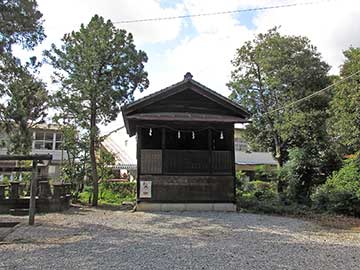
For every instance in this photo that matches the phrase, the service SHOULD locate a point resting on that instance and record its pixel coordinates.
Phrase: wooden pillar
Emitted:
(163, 148)
(210, 150)
(33, 189)
(138, 157)
(233, 167)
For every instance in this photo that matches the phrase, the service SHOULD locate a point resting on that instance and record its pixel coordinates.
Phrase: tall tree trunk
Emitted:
(93, 158)
(279, 159)
(278, 154)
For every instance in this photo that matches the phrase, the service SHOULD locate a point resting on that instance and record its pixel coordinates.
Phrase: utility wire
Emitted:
(315, 93)
(220, 12)
(111, 132)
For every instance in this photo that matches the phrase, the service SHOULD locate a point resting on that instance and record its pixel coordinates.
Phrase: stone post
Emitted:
(22, 187)
(2, 191)
(44, 189)
(58, 190)
(14, 190)
(67, 187)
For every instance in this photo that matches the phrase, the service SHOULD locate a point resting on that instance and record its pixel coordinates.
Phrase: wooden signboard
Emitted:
(145, 189)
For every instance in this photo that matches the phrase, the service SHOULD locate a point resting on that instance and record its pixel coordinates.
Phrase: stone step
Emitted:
(165, 207)
(19, 211)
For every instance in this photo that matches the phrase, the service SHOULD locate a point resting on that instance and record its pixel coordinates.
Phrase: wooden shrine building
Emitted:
(185, 147)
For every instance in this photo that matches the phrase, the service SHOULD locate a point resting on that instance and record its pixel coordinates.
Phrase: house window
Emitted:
(44, 140)
(58, 141)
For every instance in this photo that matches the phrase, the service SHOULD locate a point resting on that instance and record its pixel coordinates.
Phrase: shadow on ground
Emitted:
(103, 239)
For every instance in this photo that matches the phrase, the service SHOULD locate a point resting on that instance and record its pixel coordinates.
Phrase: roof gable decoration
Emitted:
(132, 111)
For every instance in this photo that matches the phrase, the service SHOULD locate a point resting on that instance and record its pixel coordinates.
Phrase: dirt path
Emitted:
(105, 239)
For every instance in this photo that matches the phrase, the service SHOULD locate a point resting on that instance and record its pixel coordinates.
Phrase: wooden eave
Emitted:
(185, 117)
(130, 111)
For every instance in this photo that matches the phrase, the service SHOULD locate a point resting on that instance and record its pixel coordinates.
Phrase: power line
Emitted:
(219, 12)
(111, 132)
(315, 93)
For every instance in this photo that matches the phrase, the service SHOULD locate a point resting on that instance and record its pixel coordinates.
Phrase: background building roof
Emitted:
(254, 158)
(122, 147)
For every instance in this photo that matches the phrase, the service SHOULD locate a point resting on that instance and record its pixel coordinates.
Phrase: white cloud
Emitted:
(65, 16)
(208, 57)
(332, 26)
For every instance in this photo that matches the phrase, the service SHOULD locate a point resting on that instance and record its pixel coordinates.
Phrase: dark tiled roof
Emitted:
(254, 158)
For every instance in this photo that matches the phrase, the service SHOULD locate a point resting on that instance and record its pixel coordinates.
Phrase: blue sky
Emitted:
(203, 45)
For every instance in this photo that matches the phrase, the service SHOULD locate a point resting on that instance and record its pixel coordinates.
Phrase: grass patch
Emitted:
(271, 206)
(111, 194)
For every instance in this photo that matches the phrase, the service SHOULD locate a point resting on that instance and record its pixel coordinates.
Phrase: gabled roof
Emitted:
(133, 112)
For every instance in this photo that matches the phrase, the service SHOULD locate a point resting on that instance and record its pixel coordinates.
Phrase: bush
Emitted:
(265, 173)
(124, 189)
(273, 205)
(259, 190)
(259, 196)
(241, 180)
(341, 192)
(111, 193)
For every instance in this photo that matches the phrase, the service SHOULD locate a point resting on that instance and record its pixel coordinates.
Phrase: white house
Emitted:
(47, 139)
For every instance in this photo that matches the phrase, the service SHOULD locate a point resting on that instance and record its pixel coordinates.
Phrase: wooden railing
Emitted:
(181, 162)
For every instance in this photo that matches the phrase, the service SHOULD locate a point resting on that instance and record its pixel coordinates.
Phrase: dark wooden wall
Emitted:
(185, 162)
(183, 175)
(190, 189)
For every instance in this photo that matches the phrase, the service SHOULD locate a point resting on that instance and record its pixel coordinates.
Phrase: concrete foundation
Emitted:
(222, 207)
(42, 205)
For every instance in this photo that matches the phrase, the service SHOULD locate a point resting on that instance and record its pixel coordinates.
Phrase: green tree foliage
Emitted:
(22, 96)
(75, 145)
(105, 161)
(24, 108)
(341, 192)
(20, 23)
(300, 173)
(345, 105)
(306, 169)
(269, 73)
(99, 69)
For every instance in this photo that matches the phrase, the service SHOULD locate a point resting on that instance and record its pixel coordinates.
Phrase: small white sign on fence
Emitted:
(145, 189)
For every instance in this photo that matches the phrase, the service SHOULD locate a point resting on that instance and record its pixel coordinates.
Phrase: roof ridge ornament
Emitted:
(188, 76)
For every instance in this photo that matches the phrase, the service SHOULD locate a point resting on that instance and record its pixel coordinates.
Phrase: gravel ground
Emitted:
(105, 239)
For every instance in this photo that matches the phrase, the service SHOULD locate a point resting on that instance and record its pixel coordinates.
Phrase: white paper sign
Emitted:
(145, 189)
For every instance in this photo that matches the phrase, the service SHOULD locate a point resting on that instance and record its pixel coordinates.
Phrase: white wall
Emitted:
(56, 154)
